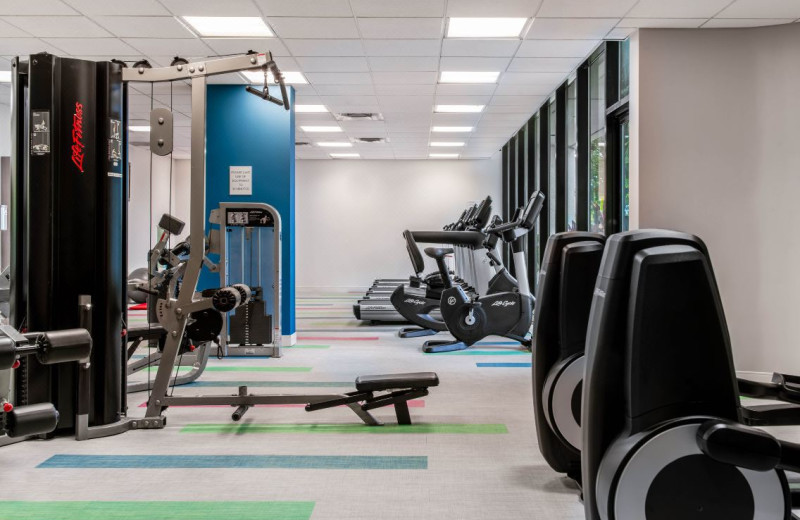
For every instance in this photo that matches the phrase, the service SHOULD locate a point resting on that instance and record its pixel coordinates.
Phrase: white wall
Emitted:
(717, 155)
(351, 213)
(142, 217)
(5, 128)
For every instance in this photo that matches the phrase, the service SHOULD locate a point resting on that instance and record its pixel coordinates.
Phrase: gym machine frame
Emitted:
(173, 313)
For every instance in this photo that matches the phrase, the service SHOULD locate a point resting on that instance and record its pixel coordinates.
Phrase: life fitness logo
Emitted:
(77, 137)
(451, 300)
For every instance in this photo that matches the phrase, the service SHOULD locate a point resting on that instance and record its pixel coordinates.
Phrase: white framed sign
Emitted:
(241, 180)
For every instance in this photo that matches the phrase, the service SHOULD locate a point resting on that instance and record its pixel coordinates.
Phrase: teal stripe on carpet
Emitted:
(482, 353)
(234, 461)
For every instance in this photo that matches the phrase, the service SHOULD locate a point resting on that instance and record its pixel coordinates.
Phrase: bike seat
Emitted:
(438, 252)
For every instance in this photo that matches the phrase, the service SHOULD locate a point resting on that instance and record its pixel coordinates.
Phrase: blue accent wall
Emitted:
(243, 130)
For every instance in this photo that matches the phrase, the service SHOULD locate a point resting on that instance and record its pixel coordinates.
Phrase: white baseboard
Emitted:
(289, 341)
(755, 376)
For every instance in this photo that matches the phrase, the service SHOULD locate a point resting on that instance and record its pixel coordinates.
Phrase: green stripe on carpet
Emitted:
(242, 369)
(135, 510)
(345, 428)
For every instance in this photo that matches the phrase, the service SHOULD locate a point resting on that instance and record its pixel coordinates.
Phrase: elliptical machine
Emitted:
(507, 313)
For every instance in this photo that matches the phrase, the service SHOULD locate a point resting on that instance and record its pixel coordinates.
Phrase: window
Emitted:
(572, 156)
(624, 69)
(534, 182)
(625, 172)
(552, 197)
(597, 145)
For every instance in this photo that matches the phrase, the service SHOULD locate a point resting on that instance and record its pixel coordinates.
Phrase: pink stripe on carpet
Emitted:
(335, 338)
(414, 403)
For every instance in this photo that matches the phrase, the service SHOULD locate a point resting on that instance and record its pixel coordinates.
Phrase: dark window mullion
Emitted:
(544, 173)
(582, 108)
(561, 158)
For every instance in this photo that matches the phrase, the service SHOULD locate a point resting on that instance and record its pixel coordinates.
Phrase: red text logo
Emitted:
(77, 137)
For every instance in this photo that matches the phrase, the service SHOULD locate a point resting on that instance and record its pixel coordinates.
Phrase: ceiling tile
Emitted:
(344, 78)
(211, 8)
(118, 7)
(620, 33)
(455, 119)
(570, 28)
(510, 89)
(535, 78)
(459, 89)
(543, 64)
(224, 46)
(529, 101)
(404, 90)
(502, 8)
(428, 47)
(677, 8)
(305, 7)
(404, 63)
(173, 46)
(556, 48)
(313, 28)
(58, 26)
(528, 110)
(409, 78)
(144, 26)
(464, 64)
(762, 9)
(333, 64)
(360, 108)
(391, 8)
(715, 23)
(88, 46)
(325, 47)
(489, 48)
(338, 101)
(388, 28)
(664, 23)
(39, 7)
(462, 100)
(343, 90)
(585, 8)
(9, 31)
(407, 103)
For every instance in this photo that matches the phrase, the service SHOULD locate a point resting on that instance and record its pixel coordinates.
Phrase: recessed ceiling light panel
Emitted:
(450, 76)
(443, 156)
(452, 129)
(485, 27)
(443, 144)
(321, 129)
(229, 26)
(345, 155)
(459, 109)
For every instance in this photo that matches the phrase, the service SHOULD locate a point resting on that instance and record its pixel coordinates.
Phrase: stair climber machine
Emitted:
(422, 306)
(376, 306)
(510, 314)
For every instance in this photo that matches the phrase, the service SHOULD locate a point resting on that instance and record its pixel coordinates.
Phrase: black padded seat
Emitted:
(145, 331)
(417, 262)
(390, 381)
(438, 252)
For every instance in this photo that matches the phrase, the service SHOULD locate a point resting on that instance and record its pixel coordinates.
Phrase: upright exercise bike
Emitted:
(507, 313)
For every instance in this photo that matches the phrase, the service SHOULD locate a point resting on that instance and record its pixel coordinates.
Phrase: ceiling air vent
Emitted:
(370, 140)
(359, 116)
(302, 143)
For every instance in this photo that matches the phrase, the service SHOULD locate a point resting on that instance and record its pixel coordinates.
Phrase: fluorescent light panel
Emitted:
(335, 144)
(442, 144)
(139, 128)
(485, 27)
(310, 109)
(459, 109)
(229, 26)
(450, 76)
(256, 77)
(5, 76)
(443, 155)
(344, 155)
(452, 129)
(321, 129)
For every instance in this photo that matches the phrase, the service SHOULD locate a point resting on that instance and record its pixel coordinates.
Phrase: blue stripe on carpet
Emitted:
(235, 461)
(503, 365)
